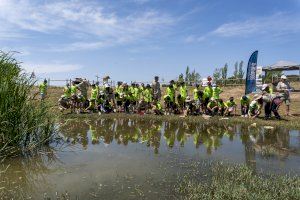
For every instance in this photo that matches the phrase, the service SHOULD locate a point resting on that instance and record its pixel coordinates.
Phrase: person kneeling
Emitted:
(255, 106)
(64, 103)
(212, 107)
(157, 108)
(190, 107)
(230, 107)
(222, 107)
(245, 103)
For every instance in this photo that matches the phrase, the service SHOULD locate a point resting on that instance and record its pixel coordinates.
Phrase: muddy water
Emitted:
(126, 159)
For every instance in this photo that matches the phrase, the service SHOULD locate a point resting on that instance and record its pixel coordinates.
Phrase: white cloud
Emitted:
(50, 68)
(277, 24)
(73, 17)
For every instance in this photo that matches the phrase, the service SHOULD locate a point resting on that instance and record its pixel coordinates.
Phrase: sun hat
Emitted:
(283, 77)
(264, 86)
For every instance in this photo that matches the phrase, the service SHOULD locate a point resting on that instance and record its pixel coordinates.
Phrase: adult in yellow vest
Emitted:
(208, 92)
(43, 89)
(119, 95)
(94, 97)
(169, 98)
(198, 98)
(67, 91)
(182, 95)
(216, 91)
(147, 94)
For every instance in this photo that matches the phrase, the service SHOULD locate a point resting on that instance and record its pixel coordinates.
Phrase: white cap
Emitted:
(283, 77)
(106, 86)
(264, 86)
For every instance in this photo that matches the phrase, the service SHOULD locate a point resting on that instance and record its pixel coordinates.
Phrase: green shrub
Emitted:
(24, 122)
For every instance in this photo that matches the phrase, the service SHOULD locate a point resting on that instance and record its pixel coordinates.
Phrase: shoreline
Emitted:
(287, 122)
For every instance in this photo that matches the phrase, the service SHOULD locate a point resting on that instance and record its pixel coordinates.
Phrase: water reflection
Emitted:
(266, 142)
(21, 176)
(175, 142)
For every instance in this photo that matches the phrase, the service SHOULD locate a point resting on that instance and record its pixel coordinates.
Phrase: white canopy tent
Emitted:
(282, 66)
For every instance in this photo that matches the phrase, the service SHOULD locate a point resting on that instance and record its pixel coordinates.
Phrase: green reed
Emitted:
(24, 122)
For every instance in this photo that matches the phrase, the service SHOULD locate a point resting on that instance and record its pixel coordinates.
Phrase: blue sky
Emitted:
(137, 39)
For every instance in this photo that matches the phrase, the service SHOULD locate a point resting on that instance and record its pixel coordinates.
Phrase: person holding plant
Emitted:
(230, 106)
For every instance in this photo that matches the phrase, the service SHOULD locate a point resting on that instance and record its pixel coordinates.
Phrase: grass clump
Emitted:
(24, 122)
(239, 182)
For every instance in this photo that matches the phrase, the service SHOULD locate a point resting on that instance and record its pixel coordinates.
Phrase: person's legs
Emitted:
(275, 106)
(222, 111)
(126, 106)
(268, 110)
(287, 103)
(275, 110)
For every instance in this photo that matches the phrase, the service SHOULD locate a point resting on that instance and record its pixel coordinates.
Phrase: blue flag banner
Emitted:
(251, 74)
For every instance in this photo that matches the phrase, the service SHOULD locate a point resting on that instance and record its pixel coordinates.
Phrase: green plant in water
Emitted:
(238, 182)
(24, 122)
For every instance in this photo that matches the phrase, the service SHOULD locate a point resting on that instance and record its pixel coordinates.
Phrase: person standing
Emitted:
(83, 88)
(169, 98)
(156, 89)
(208, 93)
(182, 95)
(43, 89)
(283, 87)
(216, 91)
(198, 98)
(93, 100)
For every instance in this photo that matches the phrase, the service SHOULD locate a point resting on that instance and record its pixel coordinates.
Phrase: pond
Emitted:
(129, 159)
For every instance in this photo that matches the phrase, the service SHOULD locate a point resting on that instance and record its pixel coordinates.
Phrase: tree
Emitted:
(224, 71)
(217, 74)
(187, 74)
(194, 77)
(272, 75)
(190, 77)
(235, 73)
(181, 79)
(241, 71)
(197, 77)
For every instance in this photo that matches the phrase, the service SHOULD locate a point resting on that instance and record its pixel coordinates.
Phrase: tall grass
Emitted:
(24, 122)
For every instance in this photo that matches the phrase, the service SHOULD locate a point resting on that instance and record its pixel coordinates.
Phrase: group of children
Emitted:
(140, 98)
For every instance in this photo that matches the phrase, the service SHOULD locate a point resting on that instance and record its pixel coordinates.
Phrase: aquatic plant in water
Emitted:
(226, 181)
(24, 122)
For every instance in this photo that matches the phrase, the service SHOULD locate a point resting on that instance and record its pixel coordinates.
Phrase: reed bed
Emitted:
(25, 123)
